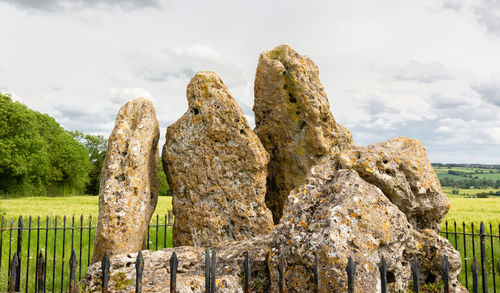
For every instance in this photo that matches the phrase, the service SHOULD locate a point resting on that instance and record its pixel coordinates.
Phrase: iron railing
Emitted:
(45, 243)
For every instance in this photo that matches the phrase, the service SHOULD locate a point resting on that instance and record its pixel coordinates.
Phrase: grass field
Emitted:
(64, 206)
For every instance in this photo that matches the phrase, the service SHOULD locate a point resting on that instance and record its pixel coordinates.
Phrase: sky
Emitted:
(427, 69)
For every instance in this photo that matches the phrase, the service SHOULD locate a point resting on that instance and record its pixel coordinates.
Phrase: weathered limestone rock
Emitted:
(190, 276)
(336, 214)
(401, 169)
(129, 184)
(293, 121)
(216, 168)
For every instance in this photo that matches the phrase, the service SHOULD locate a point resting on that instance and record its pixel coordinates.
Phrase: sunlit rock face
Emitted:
(216, 168)
(129, 183)
(401, 169)
(293, 121)
(335, 215)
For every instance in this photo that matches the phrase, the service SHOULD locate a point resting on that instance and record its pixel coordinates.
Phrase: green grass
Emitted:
(64, 206)
(474, 210)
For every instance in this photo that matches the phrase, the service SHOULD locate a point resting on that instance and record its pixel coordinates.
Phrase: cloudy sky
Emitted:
(427, 69)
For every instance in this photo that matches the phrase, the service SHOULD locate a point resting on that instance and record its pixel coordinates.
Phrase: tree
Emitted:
(37, 156)
(96, 146)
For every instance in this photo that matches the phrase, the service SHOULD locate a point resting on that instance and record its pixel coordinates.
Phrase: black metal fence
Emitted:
(474, 243)
(25, 248)
(54, 238)
(211, 265)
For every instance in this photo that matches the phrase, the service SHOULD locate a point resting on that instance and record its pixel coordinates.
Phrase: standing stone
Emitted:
(401, 169)
(129, 184)
(293, 121)
(216, 169)
(334, 215)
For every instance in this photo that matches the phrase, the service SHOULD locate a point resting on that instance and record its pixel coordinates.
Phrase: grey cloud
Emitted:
(160, 76)
(183, 63)
(453, 4)
(56, 5)
(421, 72)
(376, 106)
(465, 143)
(489, 90)
(488, 15)
(71, 112)
(441, 101)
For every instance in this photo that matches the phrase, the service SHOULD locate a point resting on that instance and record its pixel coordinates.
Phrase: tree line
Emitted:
(38, 157)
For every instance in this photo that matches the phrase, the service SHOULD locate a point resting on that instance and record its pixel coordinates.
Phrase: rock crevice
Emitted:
(293, 121)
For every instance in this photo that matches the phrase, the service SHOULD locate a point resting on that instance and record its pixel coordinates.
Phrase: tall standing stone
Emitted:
(293, 121)
(216, 169)
(129, 183)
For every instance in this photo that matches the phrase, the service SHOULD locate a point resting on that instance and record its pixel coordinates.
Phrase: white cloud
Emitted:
(488, 14)
(421, 72)
(57, 5)
(489, 89)
(390, 68)
(122, 95)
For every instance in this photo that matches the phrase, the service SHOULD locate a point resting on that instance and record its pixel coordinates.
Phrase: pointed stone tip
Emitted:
(206, 76)
(280, 52)
(139, 100)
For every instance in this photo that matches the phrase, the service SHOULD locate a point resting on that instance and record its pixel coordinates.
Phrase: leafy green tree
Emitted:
(37, 156)
(96, 146)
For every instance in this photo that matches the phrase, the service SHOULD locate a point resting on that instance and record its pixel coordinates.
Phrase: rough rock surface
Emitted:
(216, 168)
(293, 121)
(190, 277)
(129, 184)
(336, 214)
(401, 169)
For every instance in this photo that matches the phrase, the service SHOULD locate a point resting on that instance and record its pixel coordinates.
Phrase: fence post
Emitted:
(105, 272)
(40, 269)
(248, 272)
(28, 254)
(173, 272)
(212, 275)
(484, 277)
(207, 270)
(1, 241)
(19, 252)
(493, 259)
(72, 272)
(14, 268)
(139, 267)
(445, 266)
(383, 275)
(351, 271)
(474, 276)
(415, 271)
